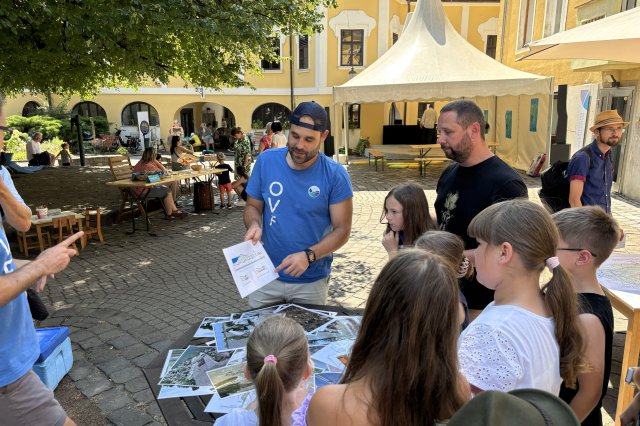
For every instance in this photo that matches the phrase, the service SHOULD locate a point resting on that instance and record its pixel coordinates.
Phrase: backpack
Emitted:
(555, 183)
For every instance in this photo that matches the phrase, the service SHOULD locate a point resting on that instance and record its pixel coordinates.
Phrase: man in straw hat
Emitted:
(590, 171)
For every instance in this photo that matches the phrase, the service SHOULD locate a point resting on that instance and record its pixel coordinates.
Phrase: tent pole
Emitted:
(549, 119)
(495, 120)
(345, 138)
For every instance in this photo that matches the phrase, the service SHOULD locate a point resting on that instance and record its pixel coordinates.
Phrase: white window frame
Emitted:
(487, 28)
(364, 49)
(352, 20)
(521, 42)
(308, 69)
(550, 15)
(280, 68)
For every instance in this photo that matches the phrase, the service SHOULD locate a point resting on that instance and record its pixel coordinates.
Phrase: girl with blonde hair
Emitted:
(451, 248)
(278, 365)
(529, 336)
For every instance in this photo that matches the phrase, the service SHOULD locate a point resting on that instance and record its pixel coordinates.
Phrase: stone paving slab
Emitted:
(131, 296)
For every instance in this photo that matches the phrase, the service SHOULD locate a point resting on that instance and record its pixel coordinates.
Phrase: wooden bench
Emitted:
(426, 160)
(376, 155)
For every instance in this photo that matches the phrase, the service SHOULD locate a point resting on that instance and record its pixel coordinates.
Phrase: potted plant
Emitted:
(363, 143)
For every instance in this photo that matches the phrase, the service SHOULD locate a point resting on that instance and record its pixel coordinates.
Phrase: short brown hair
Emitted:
(235, 131)
(467, 112)
(589, 228)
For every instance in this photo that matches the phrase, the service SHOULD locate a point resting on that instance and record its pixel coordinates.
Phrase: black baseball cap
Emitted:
(313, 110)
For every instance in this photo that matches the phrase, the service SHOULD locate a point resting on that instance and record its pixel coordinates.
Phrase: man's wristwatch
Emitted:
(311, 255)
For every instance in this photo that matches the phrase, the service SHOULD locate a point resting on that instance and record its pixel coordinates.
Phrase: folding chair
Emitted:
(66, 227)
(92, 228)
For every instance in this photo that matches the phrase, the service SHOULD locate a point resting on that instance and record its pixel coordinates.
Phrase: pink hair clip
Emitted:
(552, 262)
(270, 358)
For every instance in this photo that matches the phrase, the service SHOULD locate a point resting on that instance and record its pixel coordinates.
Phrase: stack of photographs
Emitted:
(218, 368)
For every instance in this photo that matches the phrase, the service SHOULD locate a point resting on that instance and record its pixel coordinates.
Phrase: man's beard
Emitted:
(462, 152)
(612, 141)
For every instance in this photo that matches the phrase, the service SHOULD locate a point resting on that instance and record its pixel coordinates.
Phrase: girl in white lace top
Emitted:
(528, 337)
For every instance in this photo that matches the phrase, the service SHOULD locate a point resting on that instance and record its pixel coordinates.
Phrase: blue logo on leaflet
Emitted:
(313, 191)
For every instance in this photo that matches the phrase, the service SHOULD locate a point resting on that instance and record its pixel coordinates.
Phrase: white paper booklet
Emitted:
(250, 267)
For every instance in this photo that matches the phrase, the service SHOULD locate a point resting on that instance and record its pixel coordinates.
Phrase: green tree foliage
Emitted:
(79, 46)
(51, 127)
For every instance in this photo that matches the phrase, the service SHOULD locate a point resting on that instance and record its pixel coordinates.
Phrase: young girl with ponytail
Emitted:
(529, 336)
(450, 248)
(278, 365)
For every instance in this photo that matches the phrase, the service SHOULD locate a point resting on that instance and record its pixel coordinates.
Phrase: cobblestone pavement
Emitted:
(129, 298)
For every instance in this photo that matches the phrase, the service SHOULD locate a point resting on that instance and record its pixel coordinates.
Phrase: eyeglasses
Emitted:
(613, 129)
(578, 249)
(6, 130)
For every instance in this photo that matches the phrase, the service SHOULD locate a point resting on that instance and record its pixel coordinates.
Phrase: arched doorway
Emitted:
(222, 119)
(129, 120)
(30, 109)
(270, 112)
(88, 109)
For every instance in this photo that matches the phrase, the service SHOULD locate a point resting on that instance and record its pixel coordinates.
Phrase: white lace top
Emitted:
(508, 348)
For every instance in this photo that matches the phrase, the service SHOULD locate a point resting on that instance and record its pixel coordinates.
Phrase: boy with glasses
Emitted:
(591, 173)
(588, 236)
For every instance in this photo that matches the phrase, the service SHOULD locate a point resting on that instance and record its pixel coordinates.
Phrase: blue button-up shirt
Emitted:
(597, 175)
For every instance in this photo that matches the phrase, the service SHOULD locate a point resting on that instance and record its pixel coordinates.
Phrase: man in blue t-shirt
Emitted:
(24, 399)
(591, 173)
(300, 206)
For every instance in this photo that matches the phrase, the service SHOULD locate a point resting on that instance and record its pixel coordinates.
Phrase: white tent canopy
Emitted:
(615, 38)
(432, 61)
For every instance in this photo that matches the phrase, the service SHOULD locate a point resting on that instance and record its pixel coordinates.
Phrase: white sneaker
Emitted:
(241, 203)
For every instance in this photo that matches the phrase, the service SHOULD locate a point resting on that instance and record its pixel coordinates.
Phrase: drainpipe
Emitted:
(504, 19)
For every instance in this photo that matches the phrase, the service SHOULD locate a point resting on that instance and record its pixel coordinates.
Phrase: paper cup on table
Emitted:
(42, 212)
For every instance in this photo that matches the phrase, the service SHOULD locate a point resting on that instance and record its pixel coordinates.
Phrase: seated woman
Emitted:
(148, 163)
(176, 151)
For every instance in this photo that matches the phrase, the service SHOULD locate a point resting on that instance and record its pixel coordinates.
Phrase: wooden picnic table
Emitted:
(424, 159)
(190, 410)
(425, 149)
(172, 177)
(41, 224)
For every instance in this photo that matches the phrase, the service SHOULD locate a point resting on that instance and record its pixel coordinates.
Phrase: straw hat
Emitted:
(605, 118)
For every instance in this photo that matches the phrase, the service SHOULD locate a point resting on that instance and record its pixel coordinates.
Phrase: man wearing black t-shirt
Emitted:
(475, 180)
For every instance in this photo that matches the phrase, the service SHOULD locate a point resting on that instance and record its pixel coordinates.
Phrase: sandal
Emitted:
(179, 214)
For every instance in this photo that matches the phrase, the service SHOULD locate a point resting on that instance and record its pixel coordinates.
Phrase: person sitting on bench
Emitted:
(34, 152)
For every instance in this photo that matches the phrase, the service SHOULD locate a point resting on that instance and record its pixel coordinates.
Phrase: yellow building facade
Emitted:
(355, 34)
(600, 85)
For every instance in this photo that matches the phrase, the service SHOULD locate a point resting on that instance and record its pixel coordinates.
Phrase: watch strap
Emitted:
(311, 255)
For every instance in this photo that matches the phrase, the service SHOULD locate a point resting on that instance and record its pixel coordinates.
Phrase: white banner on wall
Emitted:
(583, 112)
(143, 125)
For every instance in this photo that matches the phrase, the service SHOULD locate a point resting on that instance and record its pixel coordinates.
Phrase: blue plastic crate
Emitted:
(49, 339)
(56, 366)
